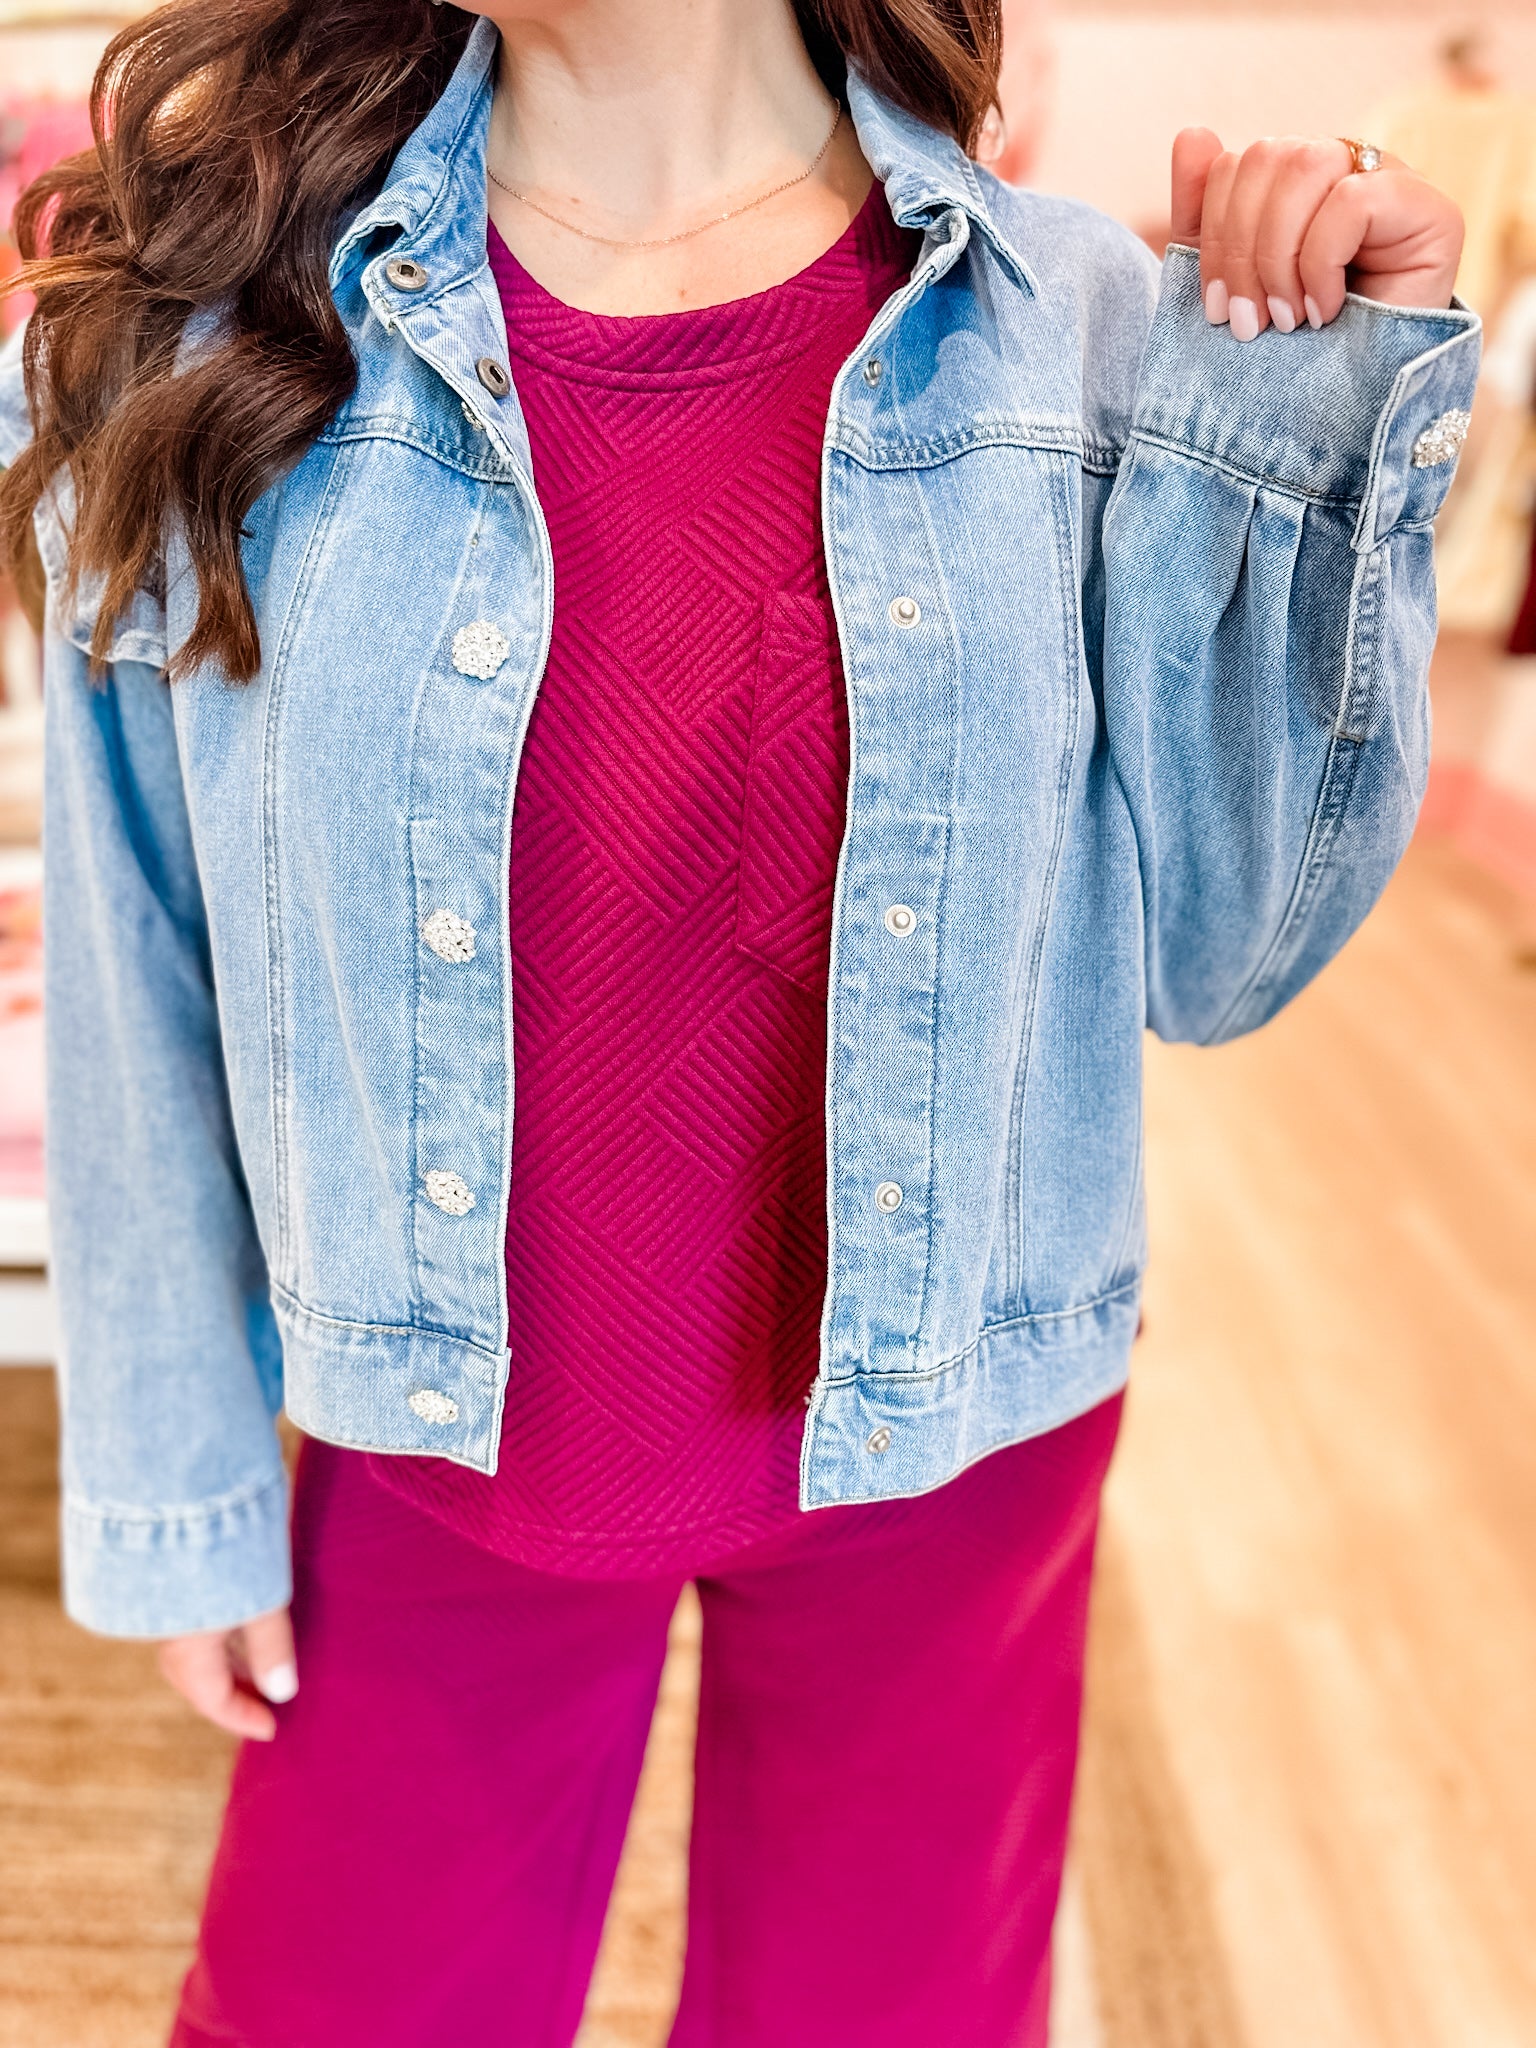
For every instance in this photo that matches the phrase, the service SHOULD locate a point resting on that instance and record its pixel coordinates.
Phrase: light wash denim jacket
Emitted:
(1135, 622)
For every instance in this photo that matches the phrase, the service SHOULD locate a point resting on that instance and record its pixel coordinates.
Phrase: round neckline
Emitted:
(714, 339)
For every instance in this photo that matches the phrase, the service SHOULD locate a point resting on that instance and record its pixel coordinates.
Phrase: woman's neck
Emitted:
(637, 120)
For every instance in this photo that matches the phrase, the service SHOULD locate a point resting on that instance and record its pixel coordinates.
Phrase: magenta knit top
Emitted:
(679, 812)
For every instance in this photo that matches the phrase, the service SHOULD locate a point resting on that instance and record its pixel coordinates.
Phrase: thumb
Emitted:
(1194, 151)
(268, 1645)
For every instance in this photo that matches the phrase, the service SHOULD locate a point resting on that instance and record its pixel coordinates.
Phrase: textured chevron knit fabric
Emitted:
(678, 817)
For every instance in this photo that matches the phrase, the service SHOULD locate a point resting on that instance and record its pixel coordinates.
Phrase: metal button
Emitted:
(906, 611)
(888, 1197)
(479, 649)
(450, 937)
(493, 376)
(432, 1406)
(405, 275)
(872, 371)
(901, 921)
(450, 1194)
(878, 1441)
(472, 416)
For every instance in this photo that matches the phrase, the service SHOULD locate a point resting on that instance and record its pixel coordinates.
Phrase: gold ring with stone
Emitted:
(1365, 156)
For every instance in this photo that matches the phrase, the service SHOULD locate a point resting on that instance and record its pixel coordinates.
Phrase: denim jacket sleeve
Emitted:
(167, 1336)
(1269, 615)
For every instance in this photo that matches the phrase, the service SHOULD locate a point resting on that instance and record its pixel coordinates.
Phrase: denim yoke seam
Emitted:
(941, 908)
(1345, 744)
(1068, 576)
(935, 451)
(277, 1006)
(409, 433)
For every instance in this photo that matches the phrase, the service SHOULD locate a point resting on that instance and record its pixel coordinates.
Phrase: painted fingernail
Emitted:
(1216, 303)
(1244, 320)
(279, 1684)
(1314, 313)
(1280, 312)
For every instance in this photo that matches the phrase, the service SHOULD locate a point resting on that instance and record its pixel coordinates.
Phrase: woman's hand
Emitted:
(210, 1670)
(1288, 227)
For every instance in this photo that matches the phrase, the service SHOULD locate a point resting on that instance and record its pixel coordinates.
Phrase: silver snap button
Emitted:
(888, 1197)
(878, 1441)
(872, 371)
(448, 1192)
(450, 937)
(479, 649)
(432, 1406)
(906, 611)
(405, 275)
(493, 376)
(901, 921)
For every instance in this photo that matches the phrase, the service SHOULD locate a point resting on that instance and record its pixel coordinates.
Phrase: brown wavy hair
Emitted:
(230, 136)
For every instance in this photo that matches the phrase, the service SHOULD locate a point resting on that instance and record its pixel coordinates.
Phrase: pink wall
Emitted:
(1122, 81)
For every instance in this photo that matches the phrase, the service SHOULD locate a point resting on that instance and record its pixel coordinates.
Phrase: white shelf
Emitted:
(29, 1330)
(23, 1231)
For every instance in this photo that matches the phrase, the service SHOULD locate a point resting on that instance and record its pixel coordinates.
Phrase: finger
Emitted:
(1246, 198)
(198, 1667)
(1213, 287)
(268, 1645)
(1330, 244)
(1410, 239)
(1308, 175)
(1194, 151)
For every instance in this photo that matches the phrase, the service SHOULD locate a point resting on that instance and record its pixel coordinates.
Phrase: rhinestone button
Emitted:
(405, 275)
(906, 611)
(493, 376)
(872, 371)
(479, 649)
(878, 1441)
(450, 1193)
(888, 1197)
(1441, 442)
(432, 1406)
(901, 921)
(450, 937)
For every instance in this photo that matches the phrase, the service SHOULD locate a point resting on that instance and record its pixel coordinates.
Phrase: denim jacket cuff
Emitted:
(1368, 412)
(133, 1572)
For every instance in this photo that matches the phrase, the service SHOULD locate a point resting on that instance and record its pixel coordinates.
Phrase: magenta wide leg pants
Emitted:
(887, 1733)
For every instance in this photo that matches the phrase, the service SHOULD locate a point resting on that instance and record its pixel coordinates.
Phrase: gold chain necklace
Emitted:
(664, 241)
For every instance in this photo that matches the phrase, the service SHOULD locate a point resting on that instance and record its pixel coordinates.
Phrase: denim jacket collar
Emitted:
(927, 177)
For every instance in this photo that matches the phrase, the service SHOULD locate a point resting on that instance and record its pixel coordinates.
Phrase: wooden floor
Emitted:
(1307, 1809)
